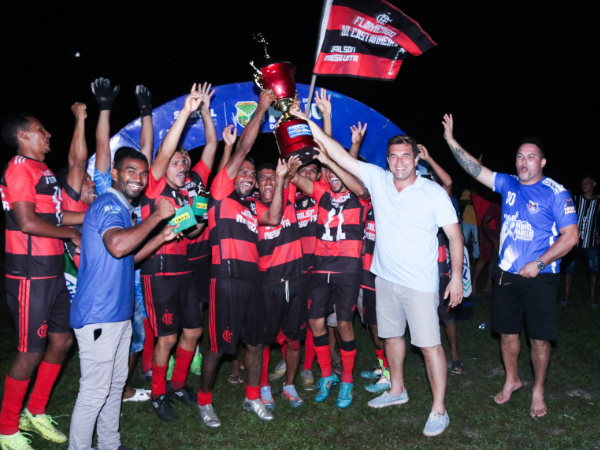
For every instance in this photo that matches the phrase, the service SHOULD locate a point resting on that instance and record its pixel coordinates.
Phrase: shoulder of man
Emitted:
(553, 186)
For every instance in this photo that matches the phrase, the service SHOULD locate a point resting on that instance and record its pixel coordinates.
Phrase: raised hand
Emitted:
(282, 168)
(165, 209)
(193, 100)
(206, 91)
(144, 99)
(296, 111)
(448, 123)
(358, 133)
(293, 165)
(105, 96)
(79, 110)
(230, 134)
(266, 98)
(424, 155)
(323, 101)
(323, 156)
(168, 233)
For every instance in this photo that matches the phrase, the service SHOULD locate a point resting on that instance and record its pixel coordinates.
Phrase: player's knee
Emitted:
(167, 342)
(192, 334)
(294, 345)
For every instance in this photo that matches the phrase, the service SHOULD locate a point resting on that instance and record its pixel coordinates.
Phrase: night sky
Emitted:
(505, 72)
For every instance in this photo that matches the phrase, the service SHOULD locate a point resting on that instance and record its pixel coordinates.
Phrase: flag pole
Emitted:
(323, 28)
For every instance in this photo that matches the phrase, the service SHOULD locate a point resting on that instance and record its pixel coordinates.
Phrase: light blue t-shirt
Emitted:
(532, 216)
(105, 291)
(406, 248)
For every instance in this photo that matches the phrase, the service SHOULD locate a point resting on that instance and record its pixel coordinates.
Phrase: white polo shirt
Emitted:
(406, 248)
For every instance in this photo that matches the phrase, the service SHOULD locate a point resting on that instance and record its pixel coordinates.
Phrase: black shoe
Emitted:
(123, 447)
(163, 408)
(184, 395)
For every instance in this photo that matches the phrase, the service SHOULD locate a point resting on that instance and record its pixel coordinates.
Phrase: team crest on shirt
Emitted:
(167, 318)
(42, 330)
(227, 335)
(533, 207)
(569, 207)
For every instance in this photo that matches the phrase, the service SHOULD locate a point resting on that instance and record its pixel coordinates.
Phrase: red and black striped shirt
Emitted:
(233, 228)
(29, 180)
(307, 215)
(368, 278)
(198, 249)
(280, 247)
(171, 258)
(72, 202)
(340, 231)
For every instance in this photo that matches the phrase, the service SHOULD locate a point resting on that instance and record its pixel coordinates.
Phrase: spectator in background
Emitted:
(469, 222)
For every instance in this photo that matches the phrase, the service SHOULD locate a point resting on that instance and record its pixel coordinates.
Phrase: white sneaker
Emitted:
(436, 423)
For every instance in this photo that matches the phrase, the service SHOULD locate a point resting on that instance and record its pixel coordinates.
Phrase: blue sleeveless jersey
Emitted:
(532, 216)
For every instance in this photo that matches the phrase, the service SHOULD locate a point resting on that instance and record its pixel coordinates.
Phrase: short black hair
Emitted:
(124, 153)
(266, 166)
(314, 162)
(403, 139)
(588, 175)
(11, 126)
(534, 140)
(250, 159)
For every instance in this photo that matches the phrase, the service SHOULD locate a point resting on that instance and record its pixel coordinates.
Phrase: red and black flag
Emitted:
(368, 39)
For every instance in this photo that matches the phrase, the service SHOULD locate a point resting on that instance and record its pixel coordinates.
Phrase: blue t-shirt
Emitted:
(532, 216)
(105, 291)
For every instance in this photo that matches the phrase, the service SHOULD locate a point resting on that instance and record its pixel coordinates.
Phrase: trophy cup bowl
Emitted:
(293, 135)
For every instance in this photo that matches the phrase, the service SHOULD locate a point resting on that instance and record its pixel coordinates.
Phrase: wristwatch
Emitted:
(540, 264)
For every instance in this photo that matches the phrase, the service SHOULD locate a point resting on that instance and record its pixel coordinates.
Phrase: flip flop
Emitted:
(458, 367)
(141, 395)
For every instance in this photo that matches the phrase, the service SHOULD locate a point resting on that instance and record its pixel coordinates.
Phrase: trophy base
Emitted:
(294, 138)
(306, 155)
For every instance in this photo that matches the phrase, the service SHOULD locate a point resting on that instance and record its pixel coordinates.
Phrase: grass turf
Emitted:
(476, 422)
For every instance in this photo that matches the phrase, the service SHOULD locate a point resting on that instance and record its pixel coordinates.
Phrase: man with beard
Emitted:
(36, 291)
(167, 276)
(337, 269)
(103, 306)
(236, 306)
(539, 226)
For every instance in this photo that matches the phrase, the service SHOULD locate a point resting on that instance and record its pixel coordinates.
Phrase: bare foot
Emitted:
(538, 406)
(509, 388)
(128, 392)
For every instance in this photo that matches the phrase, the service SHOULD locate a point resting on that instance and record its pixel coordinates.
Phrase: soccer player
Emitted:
(236, 305)
(103, 306)
(539, 226)
(167, 276)
(284, 290)
(36, 291)
(336, 271)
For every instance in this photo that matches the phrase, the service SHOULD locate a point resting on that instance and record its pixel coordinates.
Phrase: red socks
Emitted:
(159, 382)
(264, 376)
(324, 360)
(348, 358)
(204, 399)
(379, 354)
(183, 359)
(14, 393)
(148, 347)
(309, 351)
(252, 393)
(46, 377)
(385, 363)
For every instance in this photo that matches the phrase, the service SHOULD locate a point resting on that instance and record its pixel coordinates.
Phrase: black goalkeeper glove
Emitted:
(104, 95)
(144, 98)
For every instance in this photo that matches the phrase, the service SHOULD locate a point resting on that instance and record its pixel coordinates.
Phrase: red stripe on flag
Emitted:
(366, 66)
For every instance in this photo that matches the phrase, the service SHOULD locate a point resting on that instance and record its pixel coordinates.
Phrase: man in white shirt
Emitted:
(408, 211)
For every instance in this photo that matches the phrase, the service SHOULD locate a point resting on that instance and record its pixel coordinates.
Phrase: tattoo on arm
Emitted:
(471, 167)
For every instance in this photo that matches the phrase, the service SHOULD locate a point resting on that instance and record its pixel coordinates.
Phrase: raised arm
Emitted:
(169, 144)
(249, 134)
(229, 137)
(350, 181)
(334, 149)
(273, 216)
(358, 136)
(210, 133)
(441, 173)
(324, 104)
(303, 183)
(78, 150)
(471, 165)
(105, 97)
(144, 99)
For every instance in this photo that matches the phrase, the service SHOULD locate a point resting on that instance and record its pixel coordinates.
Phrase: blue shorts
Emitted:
(590, 258)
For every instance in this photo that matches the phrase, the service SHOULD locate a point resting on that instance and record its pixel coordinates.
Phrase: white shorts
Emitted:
(397, 305)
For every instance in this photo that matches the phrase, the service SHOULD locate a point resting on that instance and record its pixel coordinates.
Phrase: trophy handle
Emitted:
(257, 76)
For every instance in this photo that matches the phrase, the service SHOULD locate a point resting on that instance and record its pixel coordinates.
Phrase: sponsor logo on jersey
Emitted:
(569, 207)
(517, 229)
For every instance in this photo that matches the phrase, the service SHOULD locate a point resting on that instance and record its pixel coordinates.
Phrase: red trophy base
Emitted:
(294, 138)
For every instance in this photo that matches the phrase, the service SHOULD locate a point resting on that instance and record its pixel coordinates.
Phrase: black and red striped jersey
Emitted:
(280, 247)
(29, 180)
(368, 278)
(199, 248)
(443, 254)
(307, 215)
(340, 231)
(72, 202)
(171, 257)
(233, 230)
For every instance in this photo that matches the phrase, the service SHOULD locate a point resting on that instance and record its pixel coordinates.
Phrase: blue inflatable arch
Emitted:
(235, 103)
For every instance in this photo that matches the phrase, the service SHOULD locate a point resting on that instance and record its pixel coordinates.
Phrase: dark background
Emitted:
(505, 72)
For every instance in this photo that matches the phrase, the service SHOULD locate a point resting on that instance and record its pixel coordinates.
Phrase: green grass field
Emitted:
(476, 422)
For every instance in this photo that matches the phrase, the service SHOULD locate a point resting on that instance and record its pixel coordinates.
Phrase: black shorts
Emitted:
(171, 303)
(202, 277)
(286, 308)
(369, 305)
(445, 313)
(38, 307)
(236, 314)
(328, 289)
(533, 300)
